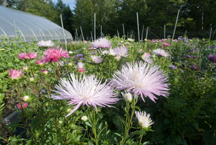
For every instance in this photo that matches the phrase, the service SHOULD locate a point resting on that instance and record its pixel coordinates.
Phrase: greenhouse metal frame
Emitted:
(30, 27)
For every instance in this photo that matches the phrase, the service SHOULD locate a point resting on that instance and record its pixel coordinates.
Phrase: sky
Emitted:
(71, 3)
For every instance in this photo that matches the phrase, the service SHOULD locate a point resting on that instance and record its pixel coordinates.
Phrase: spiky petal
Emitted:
(144, 119)
(86, 91)
(101, 43)
(54, 55)
(141, 79)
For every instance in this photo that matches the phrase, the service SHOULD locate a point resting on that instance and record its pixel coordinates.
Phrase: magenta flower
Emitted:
(101, 43)
(30, 55)
(86, 91)
(141, 79)
(15, 74)
(20, 107)
(55, 54)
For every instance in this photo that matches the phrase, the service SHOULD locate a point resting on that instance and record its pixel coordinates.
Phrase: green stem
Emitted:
(128, 126)
(93, 125)
(140, 139)
(22, 110)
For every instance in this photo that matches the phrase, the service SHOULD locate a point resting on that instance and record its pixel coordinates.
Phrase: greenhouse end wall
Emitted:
(30, 27)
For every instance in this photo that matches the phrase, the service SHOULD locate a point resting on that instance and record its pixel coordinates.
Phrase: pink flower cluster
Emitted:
(30, 55)
(20, 107)
(54, 54)
(14, 74)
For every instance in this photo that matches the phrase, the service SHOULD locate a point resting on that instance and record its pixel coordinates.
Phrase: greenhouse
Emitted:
(29, 26)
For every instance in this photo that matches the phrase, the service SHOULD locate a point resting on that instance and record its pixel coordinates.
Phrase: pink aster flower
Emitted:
(166, 44)
(15, 74)
(20, 107)
(44, 71)
(141, 79)
(55, 54)
(101, 43)
(121, 52)
(39, 62)
(144, 119)
(80, 67)
(161, 52)
(96, 59)
(22, 55)
(146, 57)
(86, 91)
(30, 55)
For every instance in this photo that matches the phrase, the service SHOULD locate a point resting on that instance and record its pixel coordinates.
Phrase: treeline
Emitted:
(195, 15)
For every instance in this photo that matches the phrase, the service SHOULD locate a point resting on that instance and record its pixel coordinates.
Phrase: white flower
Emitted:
(79, 65)
(25, 98)
(161, 52)
(31, 79)
(129, 39)
(128, 96)
(70, 52)
(43, 43)
(96, 59)
(84, 118)
(144, 119)
(70, 64)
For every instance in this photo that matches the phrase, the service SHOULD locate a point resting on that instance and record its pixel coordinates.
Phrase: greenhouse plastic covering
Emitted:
(29, 26)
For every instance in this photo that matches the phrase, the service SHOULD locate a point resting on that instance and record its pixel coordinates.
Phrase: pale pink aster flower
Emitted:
(44, 71)
(144, 119)
(121, 51)
(80, 67)
(161, 52)
(55, 54)
(25, 68)
(96, 59)
(30, 55)
(43, 43)
(14, 74)
(101, 43)
(39, 62)
(20, 107)
(141, 79)
(86, 91)
(146, 57)
(22, 55)
(166, 44)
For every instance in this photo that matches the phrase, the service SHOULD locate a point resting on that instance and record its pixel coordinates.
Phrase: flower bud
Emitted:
(31, 79)
(84, 118)
(128, 97)
(25, 68)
